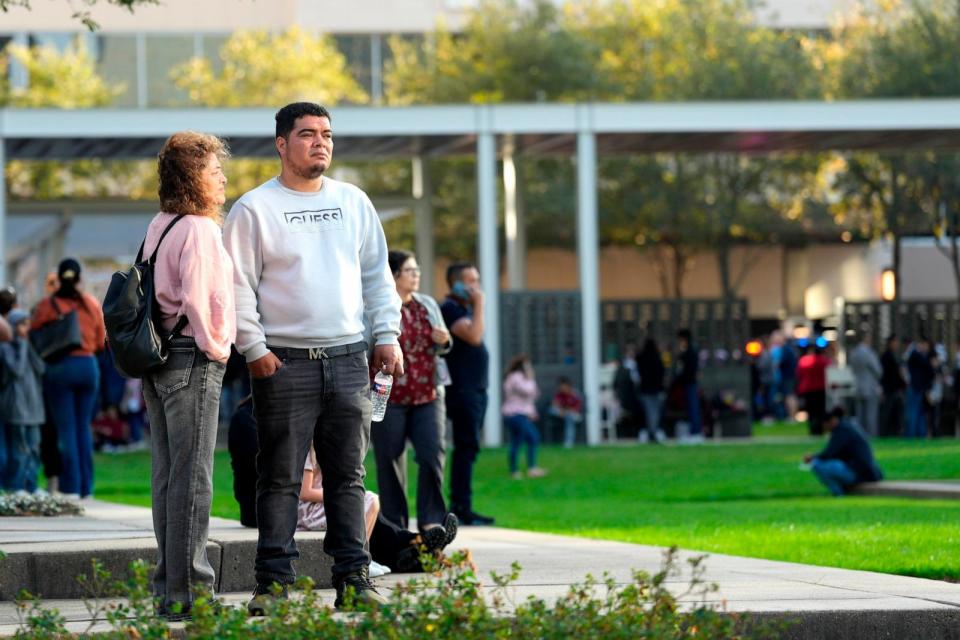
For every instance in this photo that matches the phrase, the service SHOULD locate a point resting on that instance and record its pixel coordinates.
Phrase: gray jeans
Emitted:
(183, 400)
(325, 402)
(419, 425)
(868, 408)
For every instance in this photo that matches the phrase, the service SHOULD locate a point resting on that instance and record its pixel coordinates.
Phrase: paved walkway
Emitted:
(936, 489)
(826, 602)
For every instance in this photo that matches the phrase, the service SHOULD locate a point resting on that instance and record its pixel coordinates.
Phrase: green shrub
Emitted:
(451, 602)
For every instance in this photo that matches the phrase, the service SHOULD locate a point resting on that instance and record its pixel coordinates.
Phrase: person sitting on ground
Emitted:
(568, 405)
(390, 540)
(847, 460)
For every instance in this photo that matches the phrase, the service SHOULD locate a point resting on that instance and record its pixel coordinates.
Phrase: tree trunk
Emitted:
(680, 263)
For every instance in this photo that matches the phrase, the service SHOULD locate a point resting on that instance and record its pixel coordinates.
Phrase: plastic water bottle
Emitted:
(379, 394)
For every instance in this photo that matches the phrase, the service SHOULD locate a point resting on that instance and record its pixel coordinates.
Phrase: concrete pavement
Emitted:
(825, 602)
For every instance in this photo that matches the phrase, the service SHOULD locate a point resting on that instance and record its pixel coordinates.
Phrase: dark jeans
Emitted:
(691, 395)
(916, 414)
(522, 430)
(388, 542)
(418, 424)
(815, 402)
(71, 385)
(891, 415)
(465, 409)
(183, 400)
(325, 402)
(23, 456)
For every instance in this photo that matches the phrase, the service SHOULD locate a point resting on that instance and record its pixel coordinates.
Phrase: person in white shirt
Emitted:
(311, 259)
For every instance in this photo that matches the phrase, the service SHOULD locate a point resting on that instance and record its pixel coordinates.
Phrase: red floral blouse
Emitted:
(418, 384)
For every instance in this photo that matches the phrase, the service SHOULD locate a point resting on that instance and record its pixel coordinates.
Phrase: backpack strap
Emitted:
(153, 258)
(177, 328)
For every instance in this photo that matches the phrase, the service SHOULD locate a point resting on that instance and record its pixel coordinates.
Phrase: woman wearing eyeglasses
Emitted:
(411, 412)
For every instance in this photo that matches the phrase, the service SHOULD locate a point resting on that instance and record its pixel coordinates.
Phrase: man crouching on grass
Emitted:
(847, 459)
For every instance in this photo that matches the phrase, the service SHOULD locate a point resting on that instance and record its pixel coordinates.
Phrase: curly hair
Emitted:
(180, 164)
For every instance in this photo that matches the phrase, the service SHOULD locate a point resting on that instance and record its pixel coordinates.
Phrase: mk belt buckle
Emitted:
(318, 353)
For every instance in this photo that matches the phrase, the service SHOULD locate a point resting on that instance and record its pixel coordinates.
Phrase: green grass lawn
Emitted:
(742, 499)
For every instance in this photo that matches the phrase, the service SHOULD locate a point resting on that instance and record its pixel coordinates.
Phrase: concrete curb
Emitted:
(49, 570)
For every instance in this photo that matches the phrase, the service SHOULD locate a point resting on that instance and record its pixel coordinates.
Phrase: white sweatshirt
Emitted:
(307, 265)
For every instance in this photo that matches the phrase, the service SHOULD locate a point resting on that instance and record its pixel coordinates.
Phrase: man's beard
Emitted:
(310, 172)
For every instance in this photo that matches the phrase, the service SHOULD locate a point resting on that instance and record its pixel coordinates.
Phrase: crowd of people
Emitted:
(645, 386)
(898, 392)
(51, 389)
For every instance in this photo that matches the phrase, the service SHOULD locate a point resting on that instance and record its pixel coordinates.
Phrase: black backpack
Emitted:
(131, 315)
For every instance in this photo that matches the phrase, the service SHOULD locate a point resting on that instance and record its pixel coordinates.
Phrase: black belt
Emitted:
(318, 353)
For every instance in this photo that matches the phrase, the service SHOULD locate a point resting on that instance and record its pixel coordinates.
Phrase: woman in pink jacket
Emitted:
(193, 277)
(520, 393)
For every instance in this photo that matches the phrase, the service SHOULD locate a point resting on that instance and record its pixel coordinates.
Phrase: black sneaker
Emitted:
(263, 596)
(356, 588)
(434, 537)
(450, 525)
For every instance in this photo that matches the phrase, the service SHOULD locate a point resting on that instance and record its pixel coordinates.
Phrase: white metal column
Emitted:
(423, 223)
(489, 275)
(588, 260)
(514, 224)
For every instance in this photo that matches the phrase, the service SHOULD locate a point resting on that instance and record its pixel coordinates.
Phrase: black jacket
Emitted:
(848, 444)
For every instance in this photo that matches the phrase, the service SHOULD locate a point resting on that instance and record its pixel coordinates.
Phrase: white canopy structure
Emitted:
(490, 131)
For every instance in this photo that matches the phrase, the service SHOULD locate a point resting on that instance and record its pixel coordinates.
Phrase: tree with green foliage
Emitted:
(700, 50)
(68, 80)
(900, 49)
(262, 69)
(505, 52)
(62, 80)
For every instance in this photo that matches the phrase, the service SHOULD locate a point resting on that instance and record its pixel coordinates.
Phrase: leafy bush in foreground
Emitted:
(450, 602)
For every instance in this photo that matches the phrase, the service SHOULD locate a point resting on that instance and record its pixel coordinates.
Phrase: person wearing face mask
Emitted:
(463, 312)
(193, 279)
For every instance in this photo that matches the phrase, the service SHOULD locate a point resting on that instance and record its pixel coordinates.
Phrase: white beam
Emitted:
(688, 117)
(490, 277)
(588, 263)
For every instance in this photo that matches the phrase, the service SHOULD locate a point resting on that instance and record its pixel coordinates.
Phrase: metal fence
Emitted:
(938, 320)
(717, 326)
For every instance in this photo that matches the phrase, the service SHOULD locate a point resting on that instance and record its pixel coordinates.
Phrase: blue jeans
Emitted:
(522, 430)
(916, 414)
(835, 474)
(652, 406)
(24, 457)
(691, 396)
(182, 398)
(5, 446)
(71, 387)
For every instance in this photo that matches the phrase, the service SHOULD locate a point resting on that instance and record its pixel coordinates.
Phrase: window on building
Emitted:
(117, 63)
(163, 54)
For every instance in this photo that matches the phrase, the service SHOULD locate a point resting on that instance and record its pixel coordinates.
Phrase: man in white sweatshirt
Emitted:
(310, 258)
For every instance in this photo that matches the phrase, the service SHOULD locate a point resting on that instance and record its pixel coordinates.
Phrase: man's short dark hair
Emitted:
(837, 412)
(287, 117)
(455, 269)
(684, 334)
